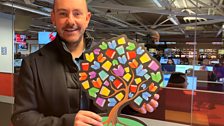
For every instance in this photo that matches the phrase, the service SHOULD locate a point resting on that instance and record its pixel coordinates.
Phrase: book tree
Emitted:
(118, 72)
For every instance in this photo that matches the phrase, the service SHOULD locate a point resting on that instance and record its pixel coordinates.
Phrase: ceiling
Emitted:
(176, 18)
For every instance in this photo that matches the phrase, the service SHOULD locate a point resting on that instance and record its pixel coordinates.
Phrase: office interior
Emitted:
(188, 33)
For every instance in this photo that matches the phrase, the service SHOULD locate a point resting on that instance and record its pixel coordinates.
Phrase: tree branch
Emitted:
(125, 84)
(138, 92)
(132, 79)
(115, 92)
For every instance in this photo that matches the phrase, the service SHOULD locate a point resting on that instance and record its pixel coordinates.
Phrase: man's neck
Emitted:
(76, 49)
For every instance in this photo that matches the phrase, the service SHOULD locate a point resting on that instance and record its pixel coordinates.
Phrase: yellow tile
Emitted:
(138, 80)
(127, 70)
(85, 84)
(145, 58)
(121, 41)
(119, 96)
(105, 91)
(107, 65)
(127, 76)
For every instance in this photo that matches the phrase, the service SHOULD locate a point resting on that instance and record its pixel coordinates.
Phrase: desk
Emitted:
(7, 99)
(212, 82)
(153, 122)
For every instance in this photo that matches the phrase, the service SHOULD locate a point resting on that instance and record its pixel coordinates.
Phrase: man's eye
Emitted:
(76, 14)
(63, 14)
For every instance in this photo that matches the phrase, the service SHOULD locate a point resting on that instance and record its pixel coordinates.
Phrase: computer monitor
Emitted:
(20, 39)
(192, 82)
(207, 68)
(163, 60)
(176, 60)
(183, 68)
(166, 78)
(23, 46)
(17, 62)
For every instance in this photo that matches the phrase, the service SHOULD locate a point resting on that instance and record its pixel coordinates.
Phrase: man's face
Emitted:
(71, 19)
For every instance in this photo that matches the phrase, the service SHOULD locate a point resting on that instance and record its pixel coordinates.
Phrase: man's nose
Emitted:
(71, 20)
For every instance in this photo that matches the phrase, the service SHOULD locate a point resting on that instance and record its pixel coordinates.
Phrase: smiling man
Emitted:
(48, 92)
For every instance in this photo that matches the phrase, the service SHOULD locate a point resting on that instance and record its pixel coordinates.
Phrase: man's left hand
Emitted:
(147, 107)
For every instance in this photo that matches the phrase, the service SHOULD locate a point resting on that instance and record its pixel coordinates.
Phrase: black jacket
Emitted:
(41, 95)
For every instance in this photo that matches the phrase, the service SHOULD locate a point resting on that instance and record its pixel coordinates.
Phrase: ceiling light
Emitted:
(25, 8)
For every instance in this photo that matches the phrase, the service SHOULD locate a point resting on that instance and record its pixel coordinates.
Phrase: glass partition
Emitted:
(189, 47)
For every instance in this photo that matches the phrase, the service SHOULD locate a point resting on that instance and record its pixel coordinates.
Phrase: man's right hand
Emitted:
(87, 118)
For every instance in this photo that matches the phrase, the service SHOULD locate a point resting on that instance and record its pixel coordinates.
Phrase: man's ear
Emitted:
(88, 17)
(52, 18)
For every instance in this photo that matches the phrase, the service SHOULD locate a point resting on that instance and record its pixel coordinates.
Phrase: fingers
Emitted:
(142, 109)
(87, 118)
(149, 107)
(92, 115)
(153, 103)
(156, 96)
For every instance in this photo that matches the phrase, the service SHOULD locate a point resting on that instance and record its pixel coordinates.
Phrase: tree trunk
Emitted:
(112, 118)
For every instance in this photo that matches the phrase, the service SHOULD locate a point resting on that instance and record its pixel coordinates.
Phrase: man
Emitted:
(48, 93)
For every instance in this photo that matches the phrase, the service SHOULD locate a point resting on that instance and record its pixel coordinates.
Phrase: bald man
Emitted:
(48, 92)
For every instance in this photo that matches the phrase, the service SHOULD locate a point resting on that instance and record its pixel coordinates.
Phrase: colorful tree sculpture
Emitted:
(117, 73)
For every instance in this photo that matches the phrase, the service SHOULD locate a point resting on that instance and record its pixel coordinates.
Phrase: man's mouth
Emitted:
(71, 29)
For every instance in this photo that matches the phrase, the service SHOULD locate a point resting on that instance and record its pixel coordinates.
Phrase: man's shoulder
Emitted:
(48, 50)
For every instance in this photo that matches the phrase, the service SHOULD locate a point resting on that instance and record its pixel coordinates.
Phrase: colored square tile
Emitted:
(147, 76)
(119, 96)
(153, 66)
(85, 66)
(121, 41)
(104, 91)
(100, 102)
(145, 58)
(138, 100)
(127, 69)
(106, 83)
(127, 76)
(138, 80)
(117, 83)
(110, 53)
(120, 50)
(133, 88)
(85, 84)
(107, 65)
(103, 75)
(131, 55)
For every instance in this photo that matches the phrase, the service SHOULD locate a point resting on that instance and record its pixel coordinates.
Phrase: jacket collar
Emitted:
(66, 56)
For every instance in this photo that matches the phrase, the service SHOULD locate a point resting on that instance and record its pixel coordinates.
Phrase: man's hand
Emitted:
(150, 107)
(87, 118)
